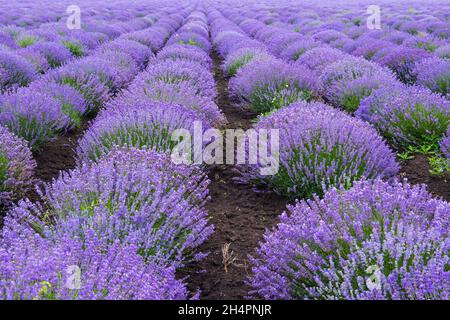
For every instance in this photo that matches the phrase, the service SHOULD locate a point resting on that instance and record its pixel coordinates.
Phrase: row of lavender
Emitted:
(395, 109)
(30, 14)
(61, 99)
(26, 53)
(360, 234)
(127, 217)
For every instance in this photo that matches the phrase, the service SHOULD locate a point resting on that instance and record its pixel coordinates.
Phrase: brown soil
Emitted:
(56, 156)
(240, 216)
(417, 171)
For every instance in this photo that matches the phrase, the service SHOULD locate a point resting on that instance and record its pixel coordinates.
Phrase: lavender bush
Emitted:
(321, 147)
(16, 166)
(374, 241)
(434, 73)
(239, 58)
(15, 71)
(177, 72)
(181, 52)
(183, 93)
(401, 61)
(270, 84)
(407, 116)
(35, 116)
(149, 124)
(35, 268)
(318, 58)
(346, 82)
(133, 196)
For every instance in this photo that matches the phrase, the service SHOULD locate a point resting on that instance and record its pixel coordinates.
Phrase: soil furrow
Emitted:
(240, 215)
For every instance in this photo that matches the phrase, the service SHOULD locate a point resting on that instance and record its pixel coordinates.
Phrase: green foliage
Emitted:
(74, 115)
(191, 42)
(88, 93)
(26, 41)
(313, 155)
(151, 136)
(239, 63)
(268, 98)
(421, 125)
(350, 102)
(4, 162)
(439, 166)
(75, 49)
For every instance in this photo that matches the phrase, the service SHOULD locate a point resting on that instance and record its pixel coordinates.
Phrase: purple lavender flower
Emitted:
(152, 38)
(443, 52)
(318, 58)
(132, 196)
(72, 103)
(280, 41)
(16, 166)
(33, 115)
(434, 73)
(401, 60)
(48, 269)
(374, 241)
(39, 61)
(347, 81)
(177, 52)
(55, 53)
(90, 81)
(124, 68)
(15, 71)
(269, 84)
(406, 115)
(177, 72)
(182, 93)
(368, 47)
(294, 50)
(322, 147)
(148, 124)
(190, 38)
(241, 57)
(140, 53)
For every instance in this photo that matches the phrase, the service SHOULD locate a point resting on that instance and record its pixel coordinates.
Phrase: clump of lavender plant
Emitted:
(239, 58)
(90, 83)
(65, 268)
(296, 49)
(321, 147)
(16, 166)
(401, 60)
(318, 58)
(55, 53)
(132, 196)
(182, 93)
(407, 116)
(269, 84)
(434, 73)
(346, 82)
(15, 71)
(148, 124)
(177, 72)
(140, 53)
(374, 241)
(36, 116)
(177, 52)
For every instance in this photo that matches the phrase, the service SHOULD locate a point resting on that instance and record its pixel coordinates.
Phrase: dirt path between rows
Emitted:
(240, 215)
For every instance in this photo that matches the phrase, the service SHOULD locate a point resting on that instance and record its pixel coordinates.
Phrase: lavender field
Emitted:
(224, 150)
